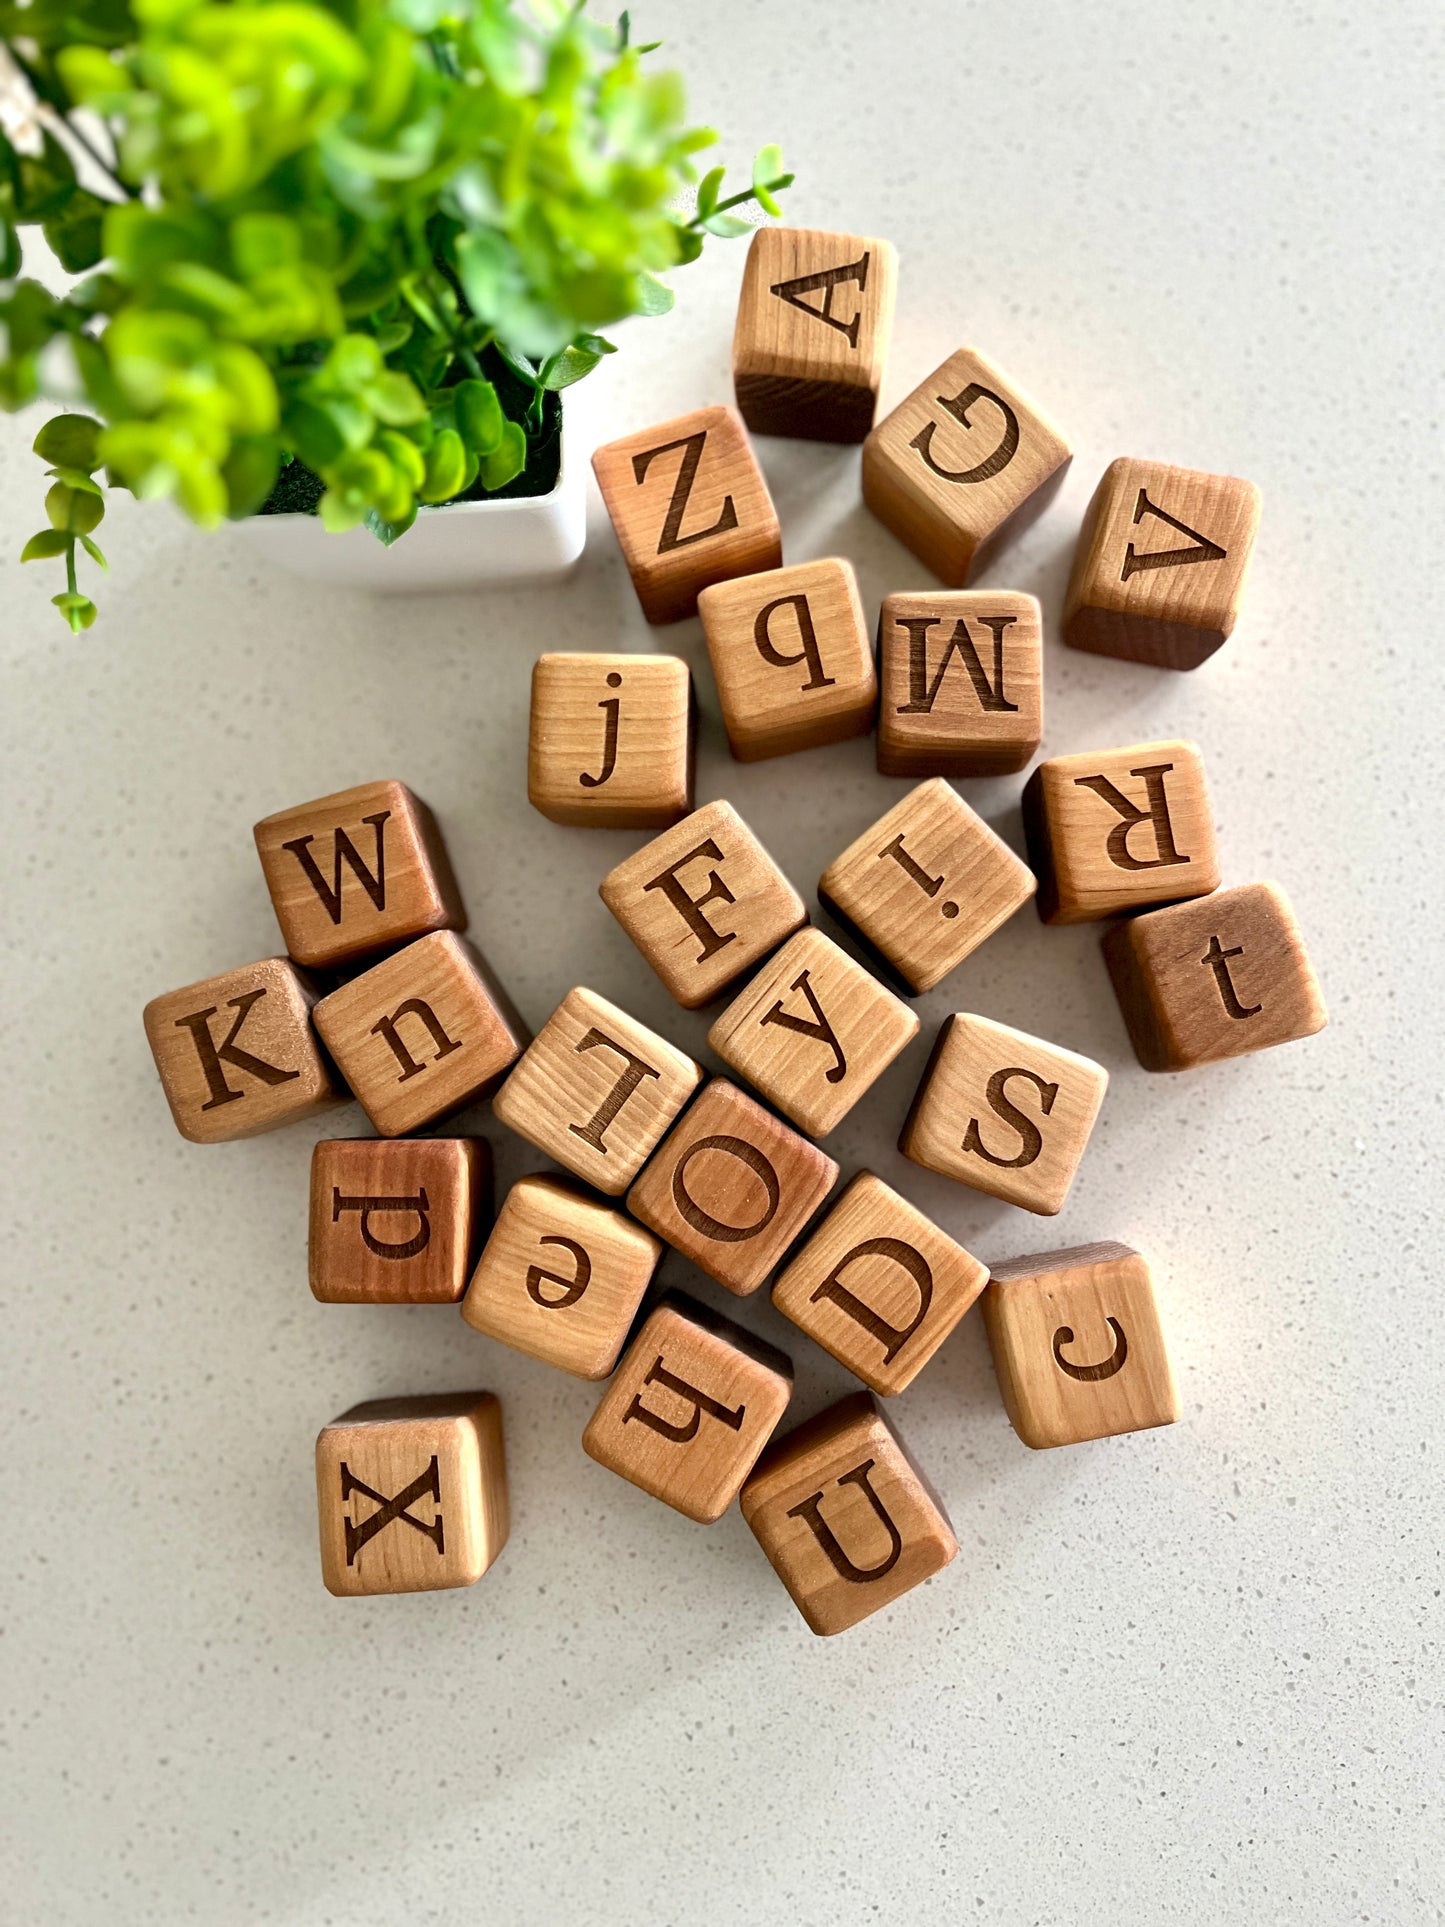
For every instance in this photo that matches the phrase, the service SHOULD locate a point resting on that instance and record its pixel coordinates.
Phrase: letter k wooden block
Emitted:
(397, 1222)
(611, 741)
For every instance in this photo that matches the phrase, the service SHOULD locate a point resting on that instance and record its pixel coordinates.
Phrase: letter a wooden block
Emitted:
(412, 1494)
(611, 742)
(397, 1222)
(1161, 563)
(846, 1518)
(690, 507)
(1077, 1345)
(962, 683)
(693, 1403)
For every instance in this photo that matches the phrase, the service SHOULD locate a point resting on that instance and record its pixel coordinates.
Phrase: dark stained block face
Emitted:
(397, 1221)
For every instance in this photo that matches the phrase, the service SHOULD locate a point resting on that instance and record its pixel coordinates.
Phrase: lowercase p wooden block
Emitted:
(611, 740)
(397, 1221)
(962, 683)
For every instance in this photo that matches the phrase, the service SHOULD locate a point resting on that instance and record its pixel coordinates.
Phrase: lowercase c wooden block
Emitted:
(813, 1031)
(879, 1285)
(397, 1221)
(412, 1494)
(962, 682)
(1004, 1112)
(561, 1277)
(611, 740)
(1161, 563)
(596, 1090)
(422, 1033)
(1213, 979)
(1077, 1345)
(690, 507)
(693, 1403)
(846, 1518)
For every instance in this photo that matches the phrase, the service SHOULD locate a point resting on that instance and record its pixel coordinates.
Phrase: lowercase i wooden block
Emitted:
(690, 507)
(691, 1407)
(596, 1090)
(611, 740)
(732, 1187)
(1077, 1345)
(561, 1277)
(814, 318)
(925, 885)
(422, 1033)
(1218, 978)
(357, 873)
(957, 461)
(813, 1031)
(237, 1055)
(1161, 563)
(412, 1494)
(1120, 829)
(846, 1518)
(703, 902)
(962, 683)
(791, 656)
(1004, 1112)
(397, 1221)
(879, 1285)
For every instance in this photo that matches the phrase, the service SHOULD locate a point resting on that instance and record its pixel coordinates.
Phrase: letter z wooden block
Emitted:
(611, 741)
(397, 1221)
(961, 676)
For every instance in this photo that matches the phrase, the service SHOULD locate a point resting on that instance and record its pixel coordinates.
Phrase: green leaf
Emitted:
(506, 461)
(71, 510)
(79, 611)
(75, 234)
(767, 167)
(69, 442)
(78, 478)
(579, 358)
(49, 542)
(479, 417)
(42, 183)
(446, 468)
(708, 191)
(92, 549)
(261, 241)
(653, 296)
(249, 473)
(403, 455)
(394, 398)
(388, 532)
(9, 249)
(727, 226)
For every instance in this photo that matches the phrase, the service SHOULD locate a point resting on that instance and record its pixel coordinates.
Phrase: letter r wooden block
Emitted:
(962, 683)
(611, 740)
(397, 1222)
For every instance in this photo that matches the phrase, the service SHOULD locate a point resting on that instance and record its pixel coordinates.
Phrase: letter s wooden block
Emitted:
(961, 677)
(611, 741)
(397, 1221)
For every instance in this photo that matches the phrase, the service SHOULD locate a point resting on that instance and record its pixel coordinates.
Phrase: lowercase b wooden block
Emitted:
(397, 1221)
(611, 740)
(962, 683)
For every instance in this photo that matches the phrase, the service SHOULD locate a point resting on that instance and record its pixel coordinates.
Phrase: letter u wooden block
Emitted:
(397, 1221)
(961, 676)
(611, 741)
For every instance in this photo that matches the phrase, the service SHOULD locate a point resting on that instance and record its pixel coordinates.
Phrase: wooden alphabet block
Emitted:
(561, 1277)
(814, 318)
(792, 659)
(596, 1090)
(1077, 1345)
(879, 1285)
(1159, 571)
(813, 1031)
(1218, 978)
(412, 1494)
(1004, 1113)
(422, 1033)
(732, 1187)
(611, 741)
(693, 1403)
(846, 1518)
(690, 507)
(925, 885)
(703, 902)
(237, 1055)
(957, 461)
(961, 676)
(357, 873)
(397, 1221)
(1120, 829)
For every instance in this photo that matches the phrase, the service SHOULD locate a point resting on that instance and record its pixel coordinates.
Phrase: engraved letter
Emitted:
(344, 850)
(997, 1094)
(1091, 1374)
(891, 1337)
(593, 1132)
(958, 408)
(700, 1402)
(610, 707)
(690, 909)
(1157, 814)
(930, 886)
(672, 536)
(703, 1221)
(572, 1288)
(822, 1030)
(386, 1028)
(922, 694)
(810, 1512)
(1218, 960)
(1205, 551)
(828, 279)
(383, 1248)
(424, 1484)
(807, 635)
(212, 1056)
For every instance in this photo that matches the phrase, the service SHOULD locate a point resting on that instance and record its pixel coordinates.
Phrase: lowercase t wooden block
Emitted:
(962, 683)
(611, 740)
(397, 1221)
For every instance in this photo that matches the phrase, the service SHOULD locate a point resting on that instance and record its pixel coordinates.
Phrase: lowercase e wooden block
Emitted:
(610, 744)
(961, 683)
(397, 1221)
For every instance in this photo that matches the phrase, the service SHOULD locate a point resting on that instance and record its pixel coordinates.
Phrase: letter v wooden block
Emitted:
(961, 679)
(397, 1221)
(611, 740)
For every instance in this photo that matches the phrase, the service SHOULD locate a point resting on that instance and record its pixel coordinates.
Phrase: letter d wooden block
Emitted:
(397, 1221)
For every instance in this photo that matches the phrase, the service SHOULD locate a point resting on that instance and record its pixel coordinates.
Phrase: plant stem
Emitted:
(737, 200)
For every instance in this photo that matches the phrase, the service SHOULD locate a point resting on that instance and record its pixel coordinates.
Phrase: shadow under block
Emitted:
(814, 318)
(1120, 829)
(703, 902)
(596, 1090)
(846, 1518)
(690, 507)
(610, 745)
(237, 1055)
(692, 1405)
(422, 1033)
(1159, 572)
(926, 884)
(1218, 978)
(957, 461)
(412, 1494)
(357, 873)
(1004, 1113)
(961, 683)
(878, 1285)
(813, 1031)
(732, 1187)
(1077, 1345)
(561, 1277)
(397, 1221)
(791, 657)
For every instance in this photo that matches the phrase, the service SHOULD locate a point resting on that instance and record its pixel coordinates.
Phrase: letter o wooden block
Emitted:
(397, 1221)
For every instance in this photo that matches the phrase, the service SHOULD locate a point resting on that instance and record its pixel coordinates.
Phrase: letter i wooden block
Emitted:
(690, 507)
(1161, 563)
(693, 1403)
(846, 1518)
(397, 1221)
(412, 1494)
(961, 677)
(596, 1090)
(611, 741)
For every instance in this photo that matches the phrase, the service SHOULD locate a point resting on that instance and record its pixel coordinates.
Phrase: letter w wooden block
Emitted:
(962, 683)
(397, 1222)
